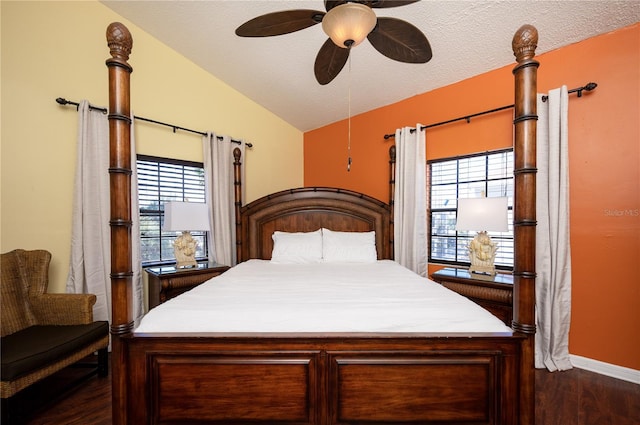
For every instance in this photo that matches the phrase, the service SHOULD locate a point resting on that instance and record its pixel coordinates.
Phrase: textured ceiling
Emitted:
(467, 38)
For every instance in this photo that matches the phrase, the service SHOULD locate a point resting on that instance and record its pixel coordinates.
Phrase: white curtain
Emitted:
(410, 204)
(553, 250)
(219, 189)
(90, 264)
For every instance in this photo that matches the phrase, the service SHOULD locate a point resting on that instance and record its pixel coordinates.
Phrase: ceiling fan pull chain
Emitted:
(349, 131)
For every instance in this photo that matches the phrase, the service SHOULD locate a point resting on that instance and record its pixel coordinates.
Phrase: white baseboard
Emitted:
(608, 369)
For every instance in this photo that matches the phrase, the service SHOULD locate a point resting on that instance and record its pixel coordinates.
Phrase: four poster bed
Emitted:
(321, 377)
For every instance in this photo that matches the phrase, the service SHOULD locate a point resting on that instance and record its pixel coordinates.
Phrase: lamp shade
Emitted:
(349, 23)
(185, 216)
(483, 214)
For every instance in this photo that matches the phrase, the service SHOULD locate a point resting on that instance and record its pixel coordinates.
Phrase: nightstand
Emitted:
(495, 293)
(166, 282)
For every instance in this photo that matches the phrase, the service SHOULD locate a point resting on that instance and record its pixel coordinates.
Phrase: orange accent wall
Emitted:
(604, 151)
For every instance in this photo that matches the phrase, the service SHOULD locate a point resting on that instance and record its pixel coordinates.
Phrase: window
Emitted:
(161, 180)
(467, 177)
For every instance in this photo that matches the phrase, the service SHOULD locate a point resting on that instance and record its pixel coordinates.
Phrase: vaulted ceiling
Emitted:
(467, 38)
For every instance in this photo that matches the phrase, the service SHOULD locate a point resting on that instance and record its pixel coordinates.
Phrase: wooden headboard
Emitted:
(307, 210)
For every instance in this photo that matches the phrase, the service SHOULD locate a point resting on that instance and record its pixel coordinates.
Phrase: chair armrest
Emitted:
(63, 309)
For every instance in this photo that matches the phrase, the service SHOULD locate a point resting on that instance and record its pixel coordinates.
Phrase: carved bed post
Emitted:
(237, 184)
(120, 42)
(525, 42)
(392, 197)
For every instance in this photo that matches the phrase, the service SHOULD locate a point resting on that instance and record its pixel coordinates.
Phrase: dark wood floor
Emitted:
(574, 397)
(580, 397)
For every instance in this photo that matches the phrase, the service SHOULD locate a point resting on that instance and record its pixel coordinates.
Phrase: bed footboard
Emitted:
(301, 380)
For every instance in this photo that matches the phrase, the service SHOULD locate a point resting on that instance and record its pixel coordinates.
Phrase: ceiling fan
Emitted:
(394, 38)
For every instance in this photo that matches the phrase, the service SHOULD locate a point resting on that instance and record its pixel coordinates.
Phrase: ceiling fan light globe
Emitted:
(349, 24)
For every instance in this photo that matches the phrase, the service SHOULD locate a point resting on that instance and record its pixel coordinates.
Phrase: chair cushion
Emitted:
(38, 346)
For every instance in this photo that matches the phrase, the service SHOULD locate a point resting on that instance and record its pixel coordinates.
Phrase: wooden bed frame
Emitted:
(310, 378)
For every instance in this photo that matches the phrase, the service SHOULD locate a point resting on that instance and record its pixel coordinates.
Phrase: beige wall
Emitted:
(58, 49)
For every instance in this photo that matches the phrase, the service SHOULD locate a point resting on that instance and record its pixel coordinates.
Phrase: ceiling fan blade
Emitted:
(329, 62)
(401, 41)
(278, 23)
(382, 4)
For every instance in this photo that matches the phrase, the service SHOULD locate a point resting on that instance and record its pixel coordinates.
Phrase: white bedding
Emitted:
(260, 296)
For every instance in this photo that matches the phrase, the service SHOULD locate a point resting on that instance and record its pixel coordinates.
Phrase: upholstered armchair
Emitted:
(43, 333)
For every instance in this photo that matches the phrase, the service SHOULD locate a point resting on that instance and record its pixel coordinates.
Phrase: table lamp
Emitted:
(482, 215)
(185, 217)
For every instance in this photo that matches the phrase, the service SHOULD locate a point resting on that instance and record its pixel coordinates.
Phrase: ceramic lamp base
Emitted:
(482, 253)
(184, 248)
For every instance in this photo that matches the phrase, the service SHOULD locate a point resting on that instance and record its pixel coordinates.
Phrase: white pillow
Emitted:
(349, 247)
(300, 247)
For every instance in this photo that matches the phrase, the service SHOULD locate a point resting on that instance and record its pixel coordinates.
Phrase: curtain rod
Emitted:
(588, 87)
(63, 101)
